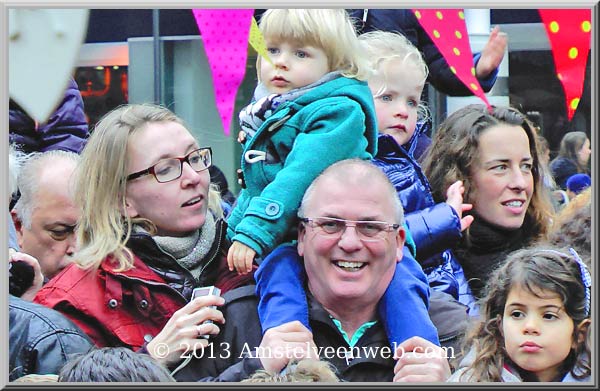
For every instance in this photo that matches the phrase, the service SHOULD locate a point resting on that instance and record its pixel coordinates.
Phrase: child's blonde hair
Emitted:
(303, 371)
(37, 378)
(536, 269)
(331, 30)
(382, 46)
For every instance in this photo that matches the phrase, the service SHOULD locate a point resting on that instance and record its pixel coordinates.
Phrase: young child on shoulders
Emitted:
(398, 79)
(311, 108)
(535, 321)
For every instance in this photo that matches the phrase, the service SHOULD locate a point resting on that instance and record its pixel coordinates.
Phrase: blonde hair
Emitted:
(331, 30)
(36, 378)
(101, 183)
(303, 371)
(382, 47)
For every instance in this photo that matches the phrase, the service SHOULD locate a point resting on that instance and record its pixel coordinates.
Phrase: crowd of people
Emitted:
(346, 256)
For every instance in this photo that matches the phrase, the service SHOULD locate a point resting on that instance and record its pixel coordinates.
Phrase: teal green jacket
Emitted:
(303, 137)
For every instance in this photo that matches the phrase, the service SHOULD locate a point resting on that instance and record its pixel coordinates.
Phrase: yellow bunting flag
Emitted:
(257, 41)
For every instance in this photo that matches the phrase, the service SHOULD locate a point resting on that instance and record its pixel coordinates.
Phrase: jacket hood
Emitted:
(387, 144)
(352, 89)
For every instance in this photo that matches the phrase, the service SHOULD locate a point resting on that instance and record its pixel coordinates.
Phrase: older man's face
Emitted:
(347, 270)
(51, 239)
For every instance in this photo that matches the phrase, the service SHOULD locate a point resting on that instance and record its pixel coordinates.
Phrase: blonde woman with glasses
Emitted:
(151, 231)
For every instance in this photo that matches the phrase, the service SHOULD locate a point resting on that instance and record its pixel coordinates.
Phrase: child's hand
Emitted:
(454, 198)
(492, 53)
(241, 137)
(240, 256)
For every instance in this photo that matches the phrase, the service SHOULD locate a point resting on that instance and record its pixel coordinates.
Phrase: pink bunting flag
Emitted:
(448, 30)
(225, 38)
(569, 33)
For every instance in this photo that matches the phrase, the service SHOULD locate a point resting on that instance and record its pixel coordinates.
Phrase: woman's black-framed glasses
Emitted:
(167, 170)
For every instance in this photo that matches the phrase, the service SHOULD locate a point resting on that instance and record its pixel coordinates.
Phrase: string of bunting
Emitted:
(227, 32)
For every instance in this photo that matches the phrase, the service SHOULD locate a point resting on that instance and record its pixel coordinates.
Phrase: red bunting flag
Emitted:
(569, 34)
(448, 30)
(225, 38)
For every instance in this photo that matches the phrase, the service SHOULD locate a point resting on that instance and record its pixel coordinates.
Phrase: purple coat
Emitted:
(66, 129)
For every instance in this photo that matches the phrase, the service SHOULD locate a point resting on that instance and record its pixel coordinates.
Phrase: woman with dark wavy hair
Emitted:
(495, 153)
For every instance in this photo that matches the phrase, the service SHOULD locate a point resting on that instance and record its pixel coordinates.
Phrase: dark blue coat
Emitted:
(404, 21)
(434, 227)
(66, 129)
(562, 168)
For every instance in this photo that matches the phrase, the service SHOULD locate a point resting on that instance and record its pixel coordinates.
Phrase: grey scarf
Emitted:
(189, 251)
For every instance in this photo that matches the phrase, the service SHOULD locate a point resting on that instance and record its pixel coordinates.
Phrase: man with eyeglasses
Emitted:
(45, 214)
(350, 238)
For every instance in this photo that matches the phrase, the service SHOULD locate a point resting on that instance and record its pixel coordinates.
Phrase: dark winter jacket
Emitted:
(404, 21)
(66, 129)
(129, 308)
(41, 340)
(562, 168)
(484, 250)
(434, 228)
(227, 358)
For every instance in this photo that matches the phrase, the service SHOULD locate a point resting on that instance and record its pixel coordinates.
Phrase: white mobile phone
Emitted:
(206, 291)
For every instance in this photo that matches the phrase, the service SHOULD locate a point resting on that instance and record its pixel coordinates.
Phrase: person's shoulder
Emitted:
(70, 276)
(458, 376)
(463, 373)
(342, 93)
(39, 315)
(343, 86)
(240, 295)
(562, 162)
(351, 84)
(449, 316)
(73, 284)
(240, 309)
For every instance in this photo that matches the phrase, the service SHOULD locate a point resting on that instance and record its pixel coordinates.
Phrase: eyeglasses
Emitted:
(368, 231)
(167, 170)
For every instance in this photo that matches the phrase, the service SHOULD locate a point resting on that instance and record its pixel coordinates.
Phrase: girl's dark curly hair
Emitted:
(538, 269)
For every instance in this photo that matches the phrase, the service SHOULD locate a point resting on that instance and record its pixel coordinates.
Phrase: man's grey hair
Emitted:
(362, 173)
(16, 159)
(28, 179)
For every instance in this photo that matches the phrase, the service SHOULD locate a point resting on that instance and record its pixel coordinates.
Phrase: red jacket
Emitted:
(129, 308)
